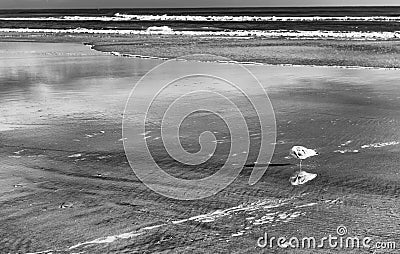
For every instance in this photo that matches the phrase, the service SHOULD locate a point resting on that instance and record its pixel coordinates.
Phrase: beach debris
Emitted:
(302, 153)
(75, 155)
(301, 177)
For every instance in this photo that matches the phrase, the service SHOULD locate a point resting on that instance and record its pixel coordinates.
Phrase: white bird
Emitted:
(302, 153)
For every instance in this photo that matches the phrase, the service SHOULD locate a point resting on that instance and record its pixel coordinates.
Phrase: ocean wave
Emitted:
(205, 18)
(251, 18)
(289, 34)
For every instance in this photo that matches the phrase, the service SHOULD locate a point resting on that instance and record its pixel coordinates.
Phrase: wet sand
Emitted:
(319, 52)
(67, 186)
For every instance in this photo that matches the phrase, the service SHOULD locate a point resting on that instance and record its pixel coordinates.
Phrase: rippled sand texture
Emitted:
(66, 186)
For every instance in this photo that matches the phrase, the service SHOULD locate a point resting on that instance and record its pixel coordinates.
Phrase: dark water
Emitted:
(258, 11)
(214, 26)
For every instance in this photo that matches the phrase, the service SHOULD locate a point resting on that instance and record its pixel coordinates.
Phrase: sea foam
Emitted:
(206, 18)
(289, 34)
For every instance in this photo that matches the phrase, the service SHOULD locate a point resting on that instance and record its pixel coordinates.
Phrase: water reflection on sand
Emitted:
(74, 98)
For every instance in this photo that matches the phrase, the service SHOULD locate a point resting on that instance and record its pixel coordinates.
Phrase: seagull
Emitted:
(302, 153)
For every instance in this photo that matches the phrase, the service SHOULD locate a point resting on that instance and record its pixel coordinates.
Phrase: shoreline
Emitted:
(245, 34)
(355, 54)
(118, 54)
(248, 63)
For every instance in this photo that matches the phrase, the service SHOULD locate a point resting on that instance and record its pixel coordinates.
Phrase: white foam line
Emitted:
(210, 217)
(307, 205)
(75, 155)
(41, 252)
(346, 151)
(240, 233)
(250, 18)
(125, 17)
(383, 144)
(290, 34)
(108, 239)
(113, 238)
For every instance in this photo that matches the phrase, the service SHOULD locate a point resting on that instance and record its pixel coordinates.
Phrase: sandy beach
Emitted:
(319, 52)
(67, 186)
